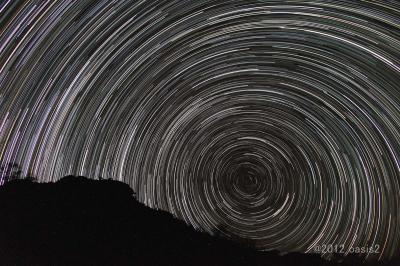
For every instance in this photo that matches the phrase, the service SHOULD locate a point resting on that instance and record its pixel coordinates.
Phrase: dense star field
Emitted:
(273, 121)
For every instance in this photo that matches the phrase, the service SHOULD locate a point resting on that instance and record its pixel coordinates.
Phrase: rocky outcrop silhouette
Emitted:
(80, 221)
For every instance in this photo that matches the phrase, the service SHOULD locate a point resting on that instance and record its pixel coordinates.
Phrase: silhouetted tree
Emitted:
(31, 178)
(9, 172)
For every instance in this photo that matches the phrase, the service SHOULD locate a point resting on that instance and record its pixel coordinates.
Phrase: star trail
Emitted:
(273, 121)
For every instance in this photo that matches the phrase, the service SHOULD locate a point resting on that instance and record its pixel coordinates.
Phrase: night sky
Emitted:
(273, 121)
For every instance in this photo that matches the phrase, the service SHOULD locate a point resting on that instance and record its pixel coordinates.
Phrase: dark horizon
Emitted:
(81, 221)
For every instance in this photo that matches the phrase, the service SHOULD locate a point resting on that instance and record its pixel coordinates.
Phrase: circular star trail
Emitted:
(277, 122)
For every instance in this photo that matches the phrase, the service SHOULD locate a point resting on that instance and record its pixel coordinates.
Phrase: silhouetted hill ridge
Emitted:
(80, 221)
